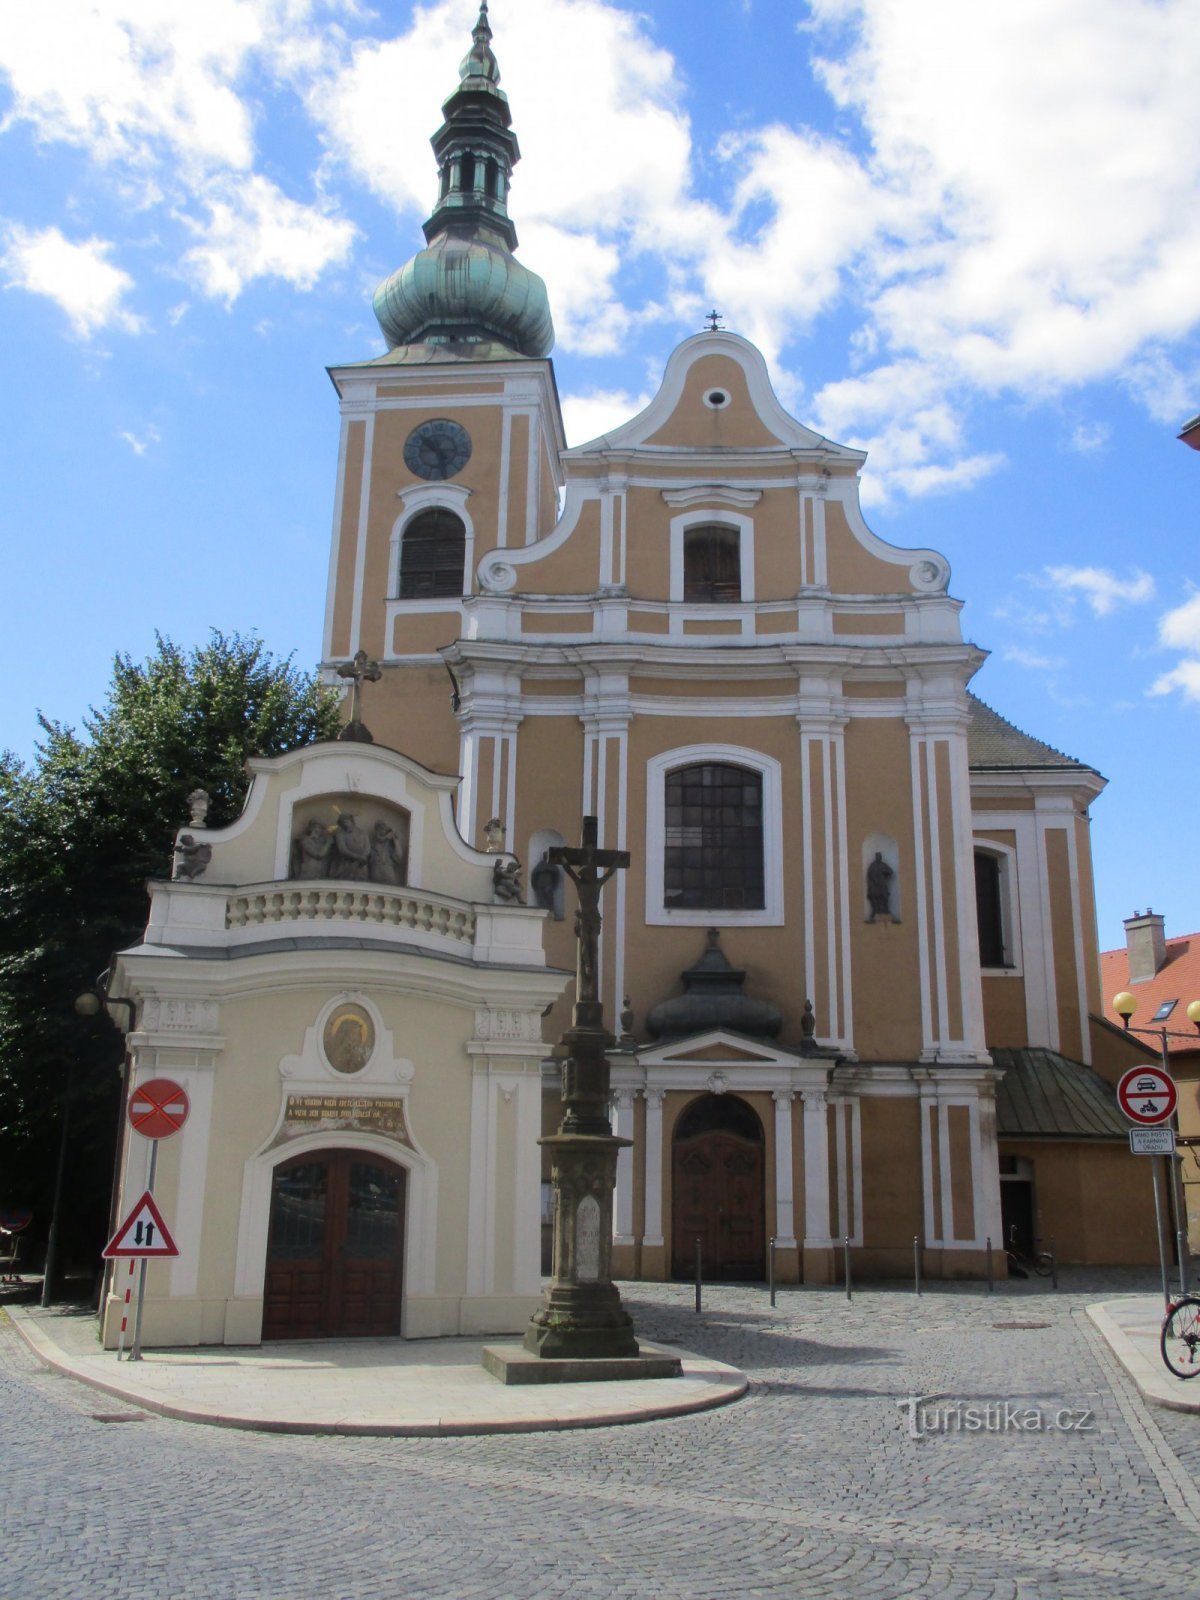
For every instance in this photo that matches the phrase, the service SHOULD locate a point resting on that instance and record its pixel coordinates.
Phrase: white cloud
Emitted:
(1179, 629)
(588, 416)
(1104, 591)
(1032, 659)
(1185, 677)
(76, 275)
(163, 96)
(139, 446)
(1088, 438)
(253, 230)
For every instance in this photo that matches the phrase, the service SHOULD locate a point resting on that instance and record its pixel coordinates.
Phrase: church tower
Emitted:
(450, 443)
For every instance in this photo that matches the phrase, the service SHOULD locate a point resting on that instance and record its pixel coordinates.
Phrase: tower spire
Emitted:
(466, 287)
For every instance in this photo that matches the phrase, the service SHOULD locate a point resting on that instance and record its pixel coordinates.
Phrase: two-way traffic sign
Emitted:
(1147, 1095)
(143, 1233)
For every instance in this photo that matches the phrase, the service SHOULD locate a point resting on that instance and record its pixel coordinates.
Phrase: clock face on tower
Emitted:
(437, 449)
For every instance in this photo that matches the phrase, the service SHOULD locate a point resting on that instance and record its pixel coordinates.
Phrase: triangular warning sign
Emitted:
(143, 1233)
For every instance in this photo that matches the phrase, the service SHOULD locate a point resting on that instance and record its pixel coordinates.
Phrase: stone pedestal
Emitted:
(581, 1316)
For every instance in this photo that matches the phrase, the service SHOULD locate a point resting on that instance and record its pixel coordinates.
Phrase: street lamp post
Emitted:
(1125, 1004)
(90, 1004)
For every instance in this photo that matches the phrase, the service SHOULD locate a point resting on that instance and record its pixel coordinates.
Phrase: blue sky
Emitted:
(967, 239)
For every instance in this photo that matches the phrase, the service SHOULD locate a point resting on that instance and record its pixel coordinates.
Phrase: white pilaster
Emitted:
(785, 1223)
(816, 1170)
(654, 1167)
(623, 1207)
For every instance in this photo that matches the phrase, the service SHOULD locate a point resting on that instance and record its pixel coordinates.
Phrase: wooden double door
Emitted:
(335, 1252)
(717, 1192)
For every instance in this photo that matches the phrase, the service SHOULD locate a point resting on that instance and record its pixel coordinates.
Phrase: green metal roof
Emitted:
(1043, 1095)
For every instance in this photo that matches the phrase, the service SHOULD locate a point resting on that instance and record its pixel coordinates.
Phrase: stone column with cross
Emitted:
(361, 669)
(581, 1316)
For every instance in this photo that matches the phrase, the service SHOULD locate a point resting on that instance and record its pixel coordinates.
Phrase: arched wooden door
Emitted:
(335, 1253)
(717, 1192)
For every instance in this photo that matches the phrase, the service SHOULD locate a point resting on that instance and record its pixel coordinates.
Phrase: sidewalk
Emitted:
(1131, 1328)
(360, 1386)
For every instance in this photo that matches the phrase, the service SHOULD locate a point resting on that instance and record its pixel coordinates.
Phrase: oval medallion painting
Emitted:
(349, 1039)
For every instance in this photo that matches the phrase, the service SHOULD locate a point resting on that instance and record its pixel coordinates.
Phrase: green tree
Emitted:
(82, 827)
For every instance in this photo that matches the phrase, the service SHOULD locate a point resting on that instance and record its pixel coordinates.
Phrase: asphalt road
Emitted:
(814, 1484)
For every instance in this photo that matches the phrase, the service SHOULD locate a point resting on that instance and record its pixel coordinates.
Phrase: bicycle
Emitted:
(1179, 1340)
(1020, 1265)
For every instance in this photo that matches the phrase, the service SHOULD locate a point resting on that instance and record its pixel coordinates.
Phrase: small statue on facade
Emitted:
(626, 1021)
(493, 836)
(544, 881)
(388, 860)
(312, 850)
(879, 887)
(808, 1030)
(198, 802)
(351, 850)
(191, 858)
(506, 882)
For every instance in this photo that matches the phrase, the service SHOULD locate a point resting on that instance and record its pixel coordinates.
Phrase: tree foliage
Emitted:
(82, 827)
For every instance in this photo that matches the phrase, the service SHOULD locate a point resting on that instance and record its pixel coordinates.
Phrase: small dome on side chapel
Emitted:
(466, 286)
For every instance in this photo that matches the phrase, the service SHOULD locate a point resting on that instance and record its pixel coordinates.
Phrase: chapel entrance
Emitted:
(335, 1253)
(717, 1192)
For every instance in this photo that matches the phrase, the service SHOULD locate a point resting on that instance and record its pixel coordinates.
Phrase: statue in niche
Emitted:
(312, 852)
(388, 859)
(879, 887)
(506, 882)
(544, 880)
(191, 858)
(351, 850)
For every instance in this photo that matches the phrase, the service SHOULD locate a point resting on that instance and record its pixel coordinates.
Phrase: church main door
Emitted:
(335, 1253)
(717, 1190)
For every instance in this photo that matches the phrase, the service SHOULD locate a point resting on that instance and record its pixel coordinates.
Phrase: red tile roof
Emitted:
(1177, 979)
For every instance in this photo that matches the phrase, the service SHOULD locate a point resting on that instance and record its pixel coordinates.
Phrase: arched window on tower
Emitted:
(432, 554)
(712, 567)
(713, 845)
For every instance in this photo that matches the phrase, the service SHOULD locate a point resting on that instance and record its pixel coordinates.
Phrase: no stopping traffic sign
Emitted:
(158, 1109)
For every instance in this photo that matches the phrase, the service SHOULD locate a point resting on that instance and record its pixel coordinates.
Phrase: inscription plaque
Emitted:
(587, 1239)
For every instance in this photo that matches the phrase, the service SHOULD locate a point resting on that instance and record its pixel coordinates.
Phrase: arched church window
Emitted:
(712, 567)
(432, 553)
(713, 845)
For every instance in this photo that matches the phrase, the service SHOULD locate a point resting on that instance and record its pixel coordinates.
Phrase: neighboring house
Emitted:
(1163, 976)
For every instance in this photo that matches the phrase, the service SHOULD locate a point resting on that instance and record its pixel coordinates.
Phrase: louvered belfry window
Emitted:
(432, 553)
(714, 838)
(712, 563)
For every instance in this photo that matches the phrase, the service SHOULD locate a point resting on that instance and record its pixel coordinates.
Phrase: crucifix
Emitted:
(581, 1317)
(362, 667)
(589, 869)
(714, 320)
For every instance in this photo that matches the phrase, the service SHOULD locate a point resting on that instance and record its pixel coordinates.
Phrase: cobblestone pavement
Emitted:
(810, 1486)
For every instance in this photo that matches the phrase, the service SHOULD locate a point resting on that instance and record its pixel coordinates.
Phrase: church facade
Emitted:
(860, 902)
(851, 972)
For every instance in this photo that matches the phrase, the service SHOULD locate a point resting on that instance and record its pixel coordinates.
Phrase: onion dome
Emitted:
(467, 287)
(713, 998)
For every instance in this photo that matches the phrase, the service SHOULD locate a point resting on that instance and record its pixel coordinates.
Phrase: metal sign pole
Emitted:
(1158, 1228)
(136, 1353)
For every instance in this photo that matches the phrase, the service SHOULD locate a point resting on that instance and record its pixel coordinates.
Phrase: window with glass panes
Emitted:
(432, 553)
(714, 838)
(712, 564)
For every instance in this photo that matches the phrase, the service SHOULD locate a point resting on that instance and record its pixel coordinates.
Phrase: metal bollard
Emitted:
(1181, 1251)
(1053, 1266)
(771, 1267)
(698, 1272)
(846, 1255)
(991, 1275)
(917, 1263)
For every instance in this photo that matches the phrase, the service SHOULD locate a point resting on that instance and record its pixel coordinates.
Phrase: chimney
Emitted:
(1146, 944)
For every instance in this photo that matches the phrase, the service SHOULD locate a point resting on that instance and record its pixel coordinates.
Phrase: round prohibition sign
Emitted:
(1147, 1095)
(158, 1109)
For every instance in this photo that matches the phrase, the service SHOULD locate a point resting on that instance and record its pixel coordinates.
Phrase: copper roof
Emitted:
(1043, 1095)
(995, 744)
